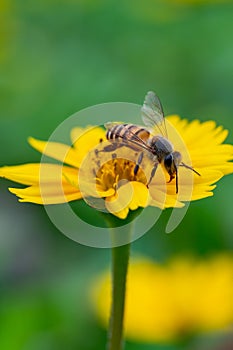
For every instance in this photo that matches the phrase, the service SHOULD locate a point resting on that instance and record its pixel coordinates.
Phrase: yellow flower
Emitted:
(82, 172)
(165, 303)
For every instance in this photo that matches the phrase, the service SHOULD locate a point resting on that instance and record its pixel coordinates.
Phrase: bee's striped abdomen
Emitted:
(128, 132)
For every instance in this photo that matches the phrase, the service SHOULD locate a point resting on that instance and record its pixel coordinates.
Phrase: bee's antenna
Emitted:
(190, 168)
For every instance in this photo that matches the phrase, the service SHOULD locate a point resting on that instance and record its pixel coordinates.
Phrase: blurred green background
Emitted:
(58, 57)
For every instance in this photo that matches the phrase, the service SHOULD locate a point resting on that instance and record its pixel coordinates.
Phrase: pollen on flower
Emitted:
(111, 173)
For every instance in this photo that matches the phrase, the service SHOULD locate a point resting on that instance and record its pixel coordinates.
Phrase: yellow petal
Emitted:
(94, 134)
(46, 195)
(208, 176)
(33, 173)
(196, 133)
(115, 207)
(140, 196)
(132, 195)
(159, 198)
(90, 188)
(85, 139)
(64, 153)
(48, 183)
(117, 203)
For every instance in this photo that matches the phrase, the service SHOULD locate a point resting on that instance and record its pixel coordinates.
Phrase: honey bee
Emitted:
(158, 147)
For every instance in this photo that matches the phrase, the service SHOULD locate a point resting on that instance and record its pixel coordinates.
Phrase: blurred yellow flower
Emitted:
(169, 302)
(199, 143)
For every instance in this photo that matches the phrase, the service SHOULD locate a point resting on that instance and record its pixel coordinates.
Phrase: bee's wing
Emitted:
(137, 141)
(152, 113)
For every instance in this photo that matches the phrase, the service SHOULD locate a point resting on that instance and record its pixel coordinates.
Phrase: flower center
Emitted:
(111, 173)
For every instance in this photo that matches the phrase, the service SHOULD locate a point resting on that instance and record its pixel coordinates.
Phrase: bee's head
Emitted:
(171, 163)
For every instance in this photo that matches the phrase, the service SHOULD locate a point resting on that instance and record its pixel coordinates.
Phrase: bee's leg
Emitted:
(110, 148)
(153, 171)
(138, 163)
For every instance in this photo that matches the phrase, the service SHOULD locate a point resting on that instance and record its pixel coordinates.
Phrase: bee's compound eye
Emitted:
(168, 160)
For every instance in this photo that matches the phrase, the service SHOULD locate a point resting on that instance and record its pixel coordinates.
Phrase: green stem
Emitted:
(120, 259)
